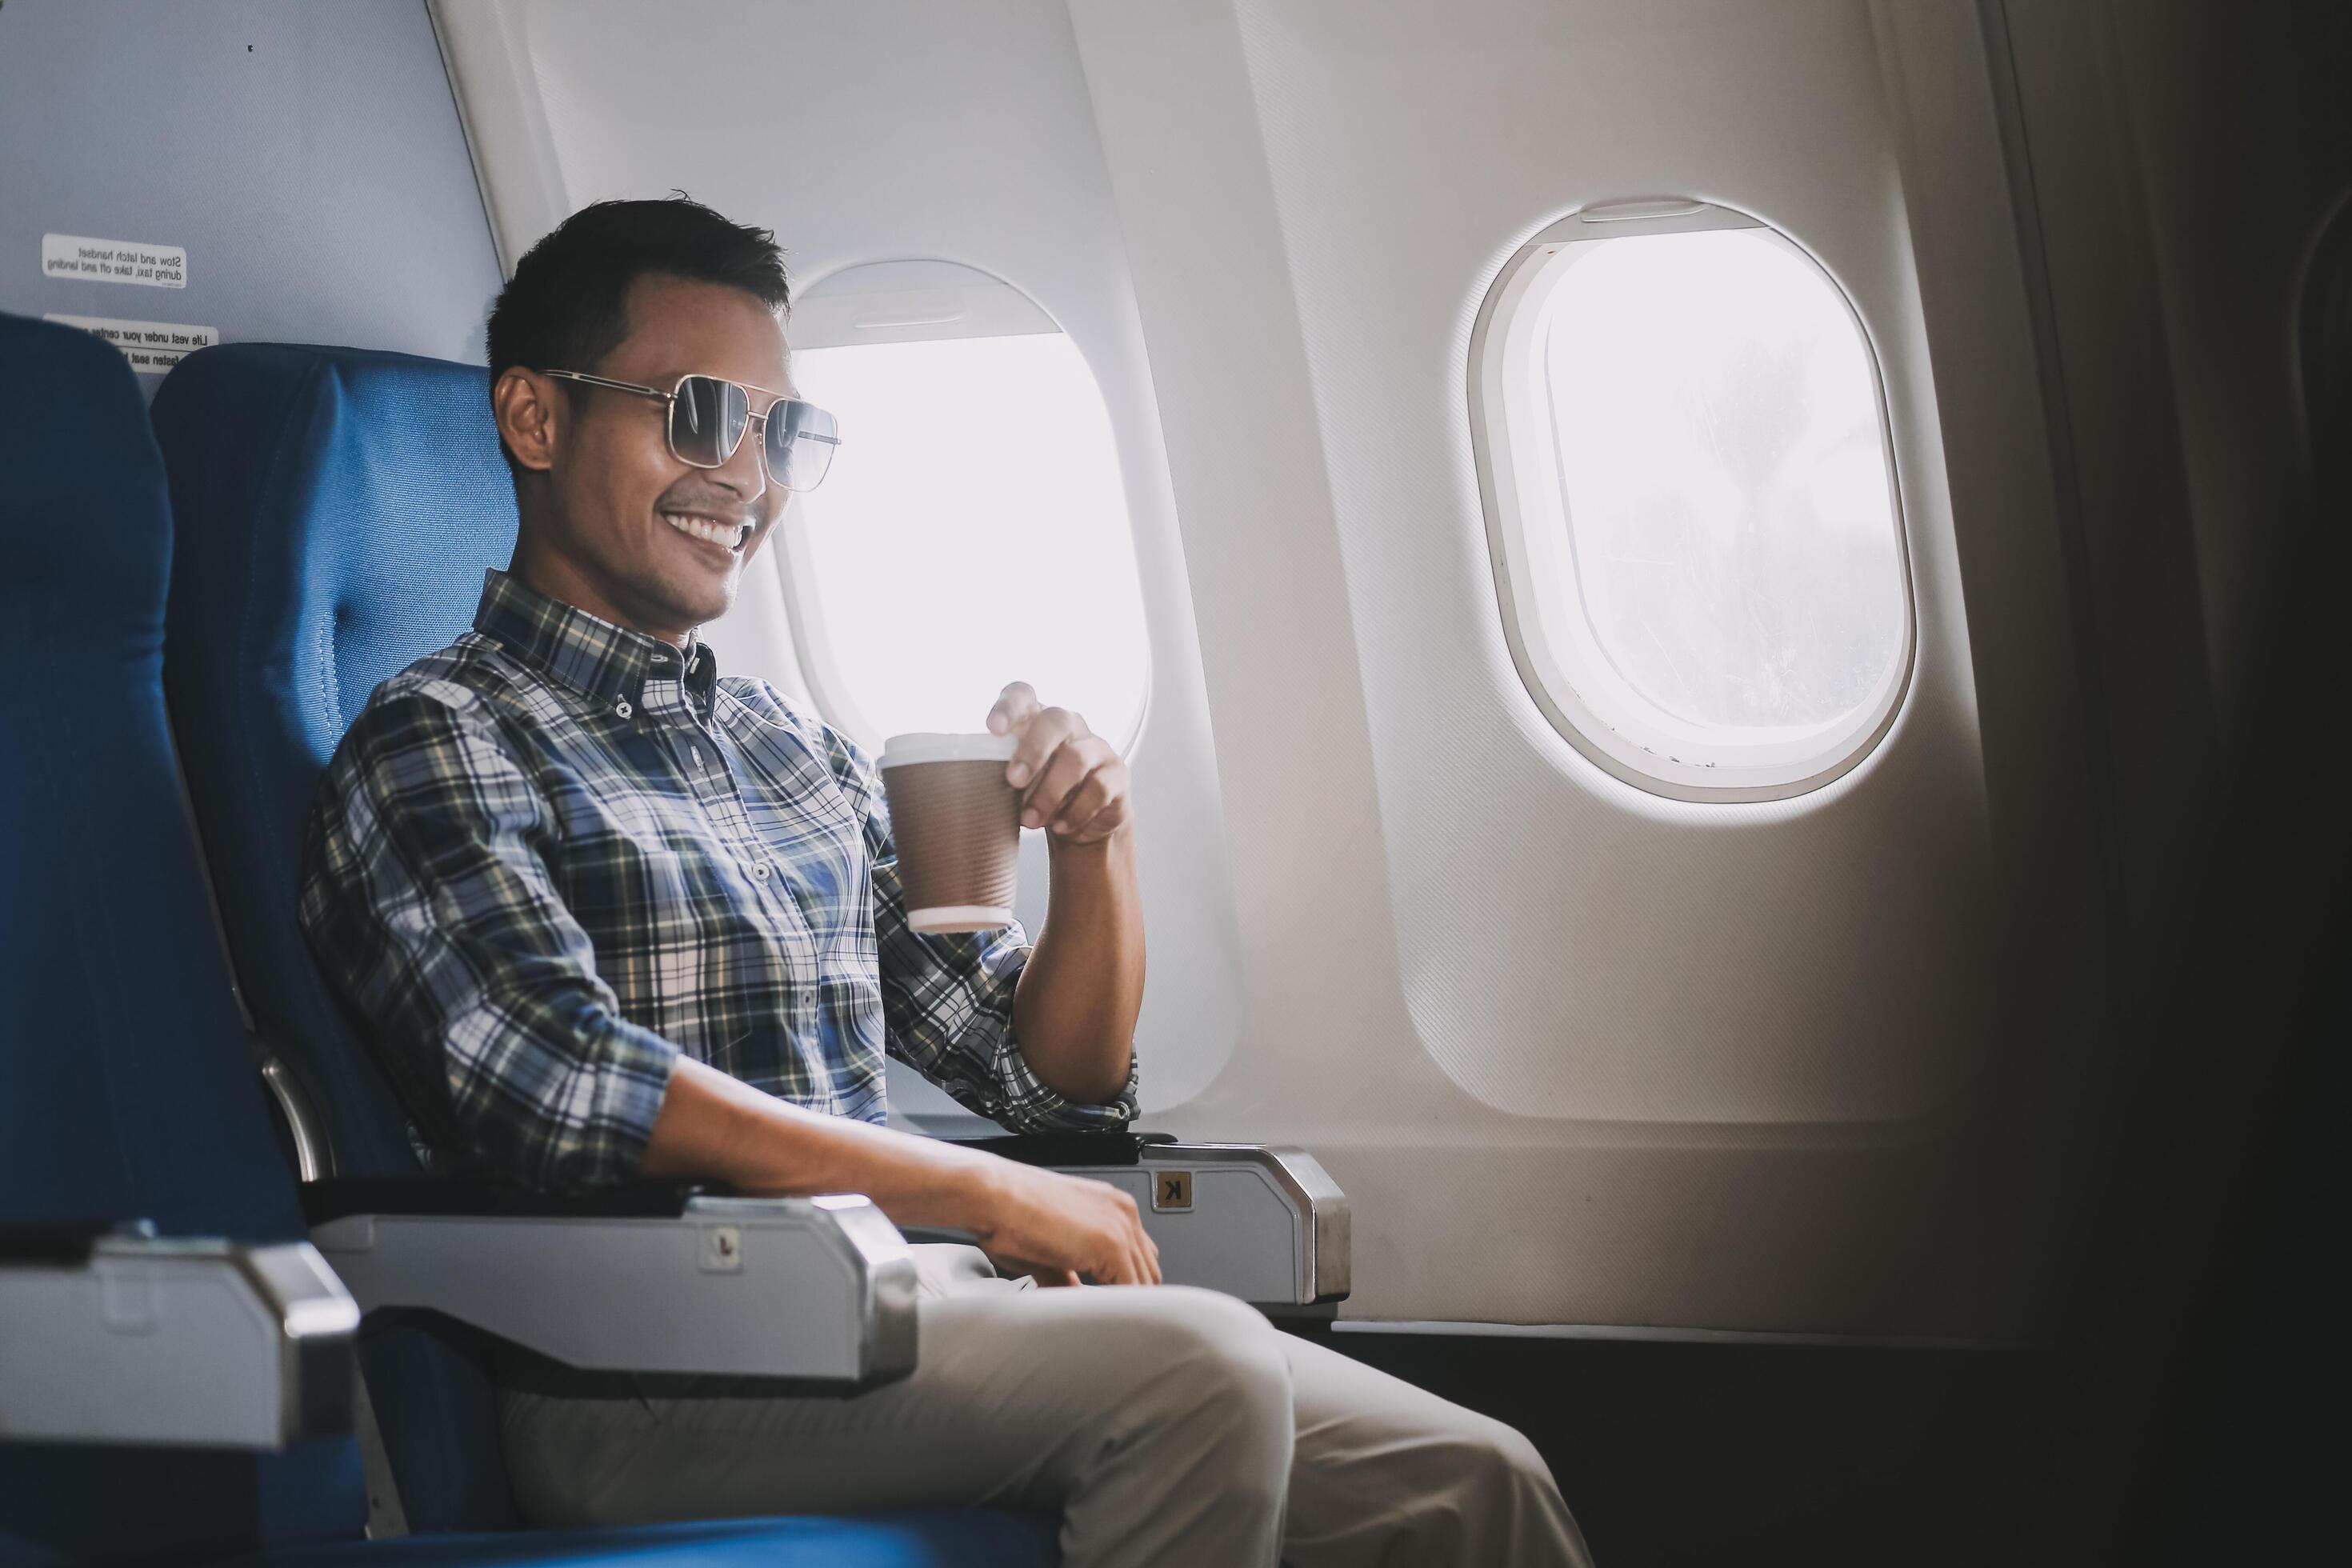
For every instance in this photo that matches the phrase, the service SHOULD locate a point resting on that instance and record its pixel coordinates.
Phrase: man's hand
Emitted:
(1071, 780)
(1051, 1226)
(1055, 1228)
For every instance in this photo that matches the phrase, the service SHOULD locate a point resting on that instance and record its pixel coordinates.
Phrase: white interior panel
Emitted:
(918, 132)
(1811, 961)
(1577, 1053)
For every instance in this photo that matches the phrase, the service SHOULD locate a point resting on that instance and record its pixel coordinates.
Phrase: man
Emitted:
(609, 915)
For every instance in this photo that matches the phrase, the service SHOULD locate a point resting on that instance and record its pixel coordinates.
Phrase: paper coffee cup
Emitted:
(957, 827)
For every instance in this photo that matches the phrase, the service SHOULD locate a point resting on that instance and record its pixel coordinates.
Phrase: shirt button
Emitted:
(761, 871)
(622, 709)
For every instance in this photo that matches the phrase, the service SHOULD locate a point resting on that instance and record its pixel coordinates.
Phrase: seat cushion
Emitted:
(920, 1538)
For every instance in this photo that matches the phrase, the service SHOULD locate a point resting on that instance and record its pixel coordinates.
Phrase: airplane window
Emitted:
(972, 531)
(1694, 508)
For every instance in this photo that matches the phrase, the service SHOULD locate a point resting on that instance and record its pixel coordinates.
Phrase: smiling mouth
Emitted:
(709, 530)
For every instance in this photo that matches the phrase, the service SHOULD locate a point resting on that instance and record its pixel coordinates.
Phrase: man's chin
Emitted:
(671, 603)
(705, 604)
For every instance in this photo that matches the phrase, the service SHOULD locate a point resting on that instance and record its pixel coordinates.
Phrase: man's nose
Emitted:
(746, 471)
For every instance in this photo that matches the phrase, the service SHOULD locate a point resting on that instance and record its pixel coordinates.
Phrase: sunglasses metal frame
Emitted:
(759, 418)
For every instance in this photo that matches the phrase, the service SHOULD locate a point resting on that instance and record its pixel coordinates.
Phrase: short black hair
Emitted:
(567, 305)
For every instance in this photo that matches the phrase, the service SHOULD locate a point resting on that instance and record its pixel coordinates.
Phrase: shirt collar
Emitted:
(590, 655)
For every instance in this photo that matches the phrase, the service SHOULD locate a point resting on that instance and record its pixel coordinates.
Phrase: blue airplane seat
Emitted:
(127, 1089)
(336, 510)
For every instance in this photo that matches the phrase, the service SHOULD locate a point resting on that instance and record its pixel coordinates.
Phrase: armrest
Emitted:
(337, 1196)
(1091, 1150)
(119, 1337)
(1265, 1223)
(653, 1280)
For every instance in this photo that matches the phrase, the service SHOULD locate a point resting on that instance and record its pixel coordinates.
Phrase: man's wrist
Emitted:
(1103, 853)
(970, 1187)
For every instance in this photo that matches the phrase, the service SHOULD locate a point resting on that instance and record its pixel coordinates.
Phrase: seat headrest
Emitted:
(337, 509)
(358, 493)
(85, 492)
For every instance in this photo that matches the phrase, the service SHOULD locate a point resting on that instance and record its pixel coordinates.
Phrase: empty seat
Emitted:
(126, 1091)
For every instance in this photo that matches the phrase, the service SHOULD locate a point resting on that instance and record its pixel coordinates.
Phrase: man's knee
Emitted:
(1215, 1367)
(1222, 1350)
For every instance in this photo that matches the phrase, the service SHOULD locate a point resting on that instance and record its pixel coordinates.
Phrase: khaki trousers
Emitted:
(1168, 1426)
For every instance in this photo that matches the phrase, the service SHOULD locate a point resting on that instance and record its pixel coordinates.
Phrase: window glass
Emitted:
(974, 531)
(1708, 567)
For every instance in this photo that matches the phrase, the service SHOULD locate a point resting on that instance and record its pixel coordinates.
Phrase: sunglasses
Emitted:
(708, 417)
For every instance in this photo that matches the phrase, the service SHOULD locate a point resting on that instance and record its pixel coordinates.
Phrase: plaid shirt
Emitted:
(548, 859)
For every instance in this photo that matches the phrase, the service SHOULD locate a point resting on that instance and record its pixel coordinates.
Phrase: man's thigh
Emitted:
(1016, 1395)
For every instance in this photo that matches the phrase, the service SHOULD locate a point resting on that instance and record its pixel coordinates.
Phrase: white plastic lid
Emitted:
(900, 750)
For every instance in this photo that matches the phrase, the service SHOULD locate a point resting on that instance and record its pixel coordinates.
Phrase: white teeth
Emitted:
(729, 534)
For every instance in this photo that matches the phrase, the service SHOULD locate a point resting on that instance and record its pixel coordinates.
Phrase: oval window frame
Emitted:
(915, 299)
(1644, 754)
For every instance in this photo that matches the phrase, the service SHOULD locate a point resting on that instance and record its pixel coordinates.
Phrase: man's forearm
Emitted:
(716, 1126)
(1060, 1229)
(1074, 1012)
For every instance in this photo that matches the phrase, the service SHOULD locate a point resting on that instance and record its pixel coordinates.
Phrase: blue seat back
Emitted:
(337, 507)
(127, 1087)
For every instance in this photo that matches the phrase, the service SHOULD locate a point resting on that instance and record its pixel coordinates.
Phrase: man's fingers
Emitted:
(1039, 736)
(1017, 702)
(1047, 799)
(1104, 808)
(1060, 774)
(1082, 815)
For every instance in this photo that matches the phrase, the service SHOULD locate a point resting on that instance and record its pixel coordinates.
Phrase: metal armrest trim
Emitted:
(712, 1318)
(126, 1285)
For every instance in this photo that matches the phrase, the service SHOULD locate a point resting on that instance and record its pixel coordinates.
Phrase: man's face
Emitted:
(623, 505)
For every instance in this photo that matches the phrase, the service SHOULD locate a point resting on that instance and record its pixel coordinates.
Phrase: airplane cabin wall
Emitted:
(1579, 1052)
(1729, 1067)
(308, 159)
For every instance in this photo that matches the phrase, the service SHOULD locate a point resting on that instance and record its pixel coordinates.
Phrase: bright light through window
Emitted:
(974, 531)
(1701, 523)
(1732, 535)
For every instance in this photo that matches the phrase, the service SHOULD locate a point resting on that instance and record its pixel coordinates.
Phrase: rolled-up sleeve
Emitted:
(428, 902)
(946, 1000)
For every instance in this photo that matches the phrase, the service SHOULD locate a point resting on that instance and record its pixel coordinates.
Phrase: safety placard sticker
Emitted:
(114, 261)
(152, 347)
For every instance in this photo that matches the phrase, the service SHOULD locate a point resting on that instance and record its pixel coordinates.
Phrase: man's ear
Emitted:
(528, 409)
